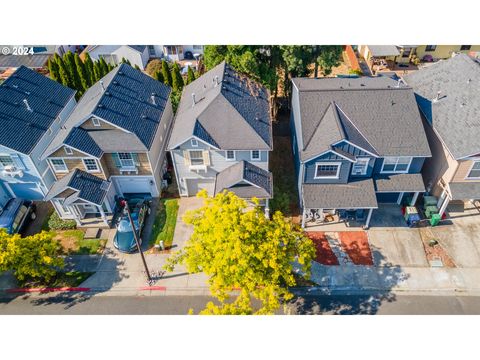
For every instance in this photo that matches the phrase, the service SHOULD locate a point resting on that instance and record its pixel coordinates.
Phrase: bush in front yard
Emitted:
(280, 202)
(55, 223)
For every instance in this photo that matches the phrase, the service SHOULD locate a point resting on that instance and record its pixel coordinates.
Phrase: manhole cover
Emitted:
(436, 263)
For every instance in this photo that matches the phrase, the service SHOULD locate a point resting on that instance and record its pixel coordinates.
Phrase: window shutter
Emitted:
(116, 160)
(135, 159)
(206, 158)
(186, 157)
(18, 162)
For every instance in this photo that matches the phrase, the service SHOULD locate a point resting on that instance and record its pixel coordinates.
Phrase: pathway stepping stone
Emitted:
(91, 233)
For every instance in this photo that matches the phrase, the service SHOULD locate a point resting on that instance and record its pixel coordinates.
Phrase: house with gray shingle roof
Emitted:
(33, 108)
(112, 144)
(113, 54)
(357, 142)
(222, 136)
(447, 93)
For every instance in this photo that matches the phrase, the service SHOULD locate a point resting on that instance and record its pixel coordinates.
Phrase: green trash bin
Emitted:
(435, 219)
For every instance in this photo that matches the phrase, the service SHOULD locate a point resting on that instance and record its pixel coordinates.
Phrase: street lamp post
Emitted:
(137, 240)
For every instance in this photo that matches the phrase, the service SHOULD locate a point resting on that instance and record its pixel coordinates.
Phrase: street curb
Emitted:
(45, 290)
(160, 288)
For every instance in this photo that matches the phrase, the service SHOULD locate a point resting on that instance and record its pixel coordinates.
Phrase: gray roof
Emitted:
(399, 183)
(139, 48)
(35, 61)
(456, 115)
(87, 187)
(231, 112)
(354, 195)
(114, 140)
(125, 103)
(465, 190)
(20, 128)
(372, 113)
(383, 50)
(246, 180)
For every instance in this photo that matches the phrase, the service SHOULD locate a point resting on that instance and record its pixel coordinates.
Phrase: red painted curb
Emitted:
(162, 288)
(30, 290)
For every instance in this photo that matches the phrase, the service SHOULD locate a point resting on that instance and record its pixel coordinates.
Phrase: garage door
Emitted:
(29, 191)
(195, 185)
(391, 198)
(135, 186)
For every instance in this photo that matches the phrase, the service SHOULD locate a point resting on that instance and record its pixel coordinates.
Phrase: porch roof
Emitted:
(400, 183)
(465, 190)
(383, 50)
(353, 195)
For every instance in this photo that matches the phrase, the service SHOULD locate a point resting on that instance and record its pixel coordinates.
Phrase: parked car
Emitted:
(16, 214)
(124, 239)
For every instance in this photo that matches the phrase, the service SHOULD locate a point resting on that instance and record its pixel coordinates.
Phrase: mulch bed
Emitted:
(355, 244)
(324, 254)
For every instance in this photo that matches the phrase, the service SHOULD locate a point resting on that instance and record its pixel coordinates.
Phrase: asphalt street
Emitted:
(382, 304)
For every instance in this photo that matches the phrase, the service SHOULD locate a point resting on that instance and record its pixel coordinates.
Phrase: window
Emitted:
(360, 166)
(396, 164)
(151, 50)
(406, 53)
(230, 155)
(327, 170)
(171, 49)
(196, 157)
(474, 171)
(95, 122)
(430, 47)
(59, 165)
(465, 47)
(126, 160)
(68, 150)
(5, 160)
(91, 165)
(255, 155)
(194, 142)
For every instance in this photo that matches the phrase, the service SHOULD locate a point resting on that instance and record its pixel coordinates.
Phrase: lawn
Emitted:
(62, 279)
(165, 221)
(74, 243)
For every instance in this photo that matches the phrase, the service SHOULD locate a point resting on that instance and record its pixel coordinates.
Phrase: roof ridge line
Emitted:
(316, 128)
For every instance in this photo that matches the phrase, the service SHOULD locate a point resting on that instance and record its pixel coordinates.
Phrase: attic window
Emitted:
(194, 142)
(96, 122)
(68, 150)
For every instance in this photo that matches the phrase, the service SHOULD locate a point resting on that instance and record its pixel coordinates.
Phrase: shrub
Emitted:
(355, 72)
(153, 66)
(55, 223)
(280, 202)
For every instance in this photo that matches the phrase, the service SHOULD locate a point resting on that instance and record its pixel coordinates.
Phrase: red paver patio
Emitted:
(355, 244)
(324, 254)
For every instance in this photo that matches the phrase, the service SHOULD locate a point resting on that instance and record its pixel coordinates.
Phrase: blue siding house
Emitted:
(356, 143)
(32, 110)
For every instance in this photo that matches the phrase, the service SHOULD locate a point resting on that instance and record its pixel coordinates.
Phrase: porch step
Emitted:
(337, 249)
(91, 233)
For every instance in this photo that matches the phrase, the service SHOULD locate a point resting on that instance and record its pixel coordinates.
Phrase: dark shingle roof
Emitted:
(455, 116)
(87, 187)
(465, 190)
(140, 48)
(354, 195)
(81, 140)
(35, 61)
(399, 183)
(21, 129)
(246, 180)
(374, 113)
(231, 108)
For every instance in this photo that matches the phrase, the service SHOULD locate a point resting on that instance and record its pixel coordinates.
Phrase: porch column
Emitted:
(303, 218)
(444, 206)
(102, 213)
(267, 209)
(400, 197)
(414, 199)
(369, 216)
(320, 212)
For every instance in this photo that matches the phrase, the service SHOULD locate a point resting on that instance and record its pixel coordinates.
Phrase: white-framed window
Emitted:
(474, 172)
(91, 165)
(360, 166)
(399, 164)
(68, 150)
(95, 122)
(6, 160)
(230, 155)
(196, 157)
(59, 165)
(255, 155)
(194, 142)
(327, 170)
(126, 160)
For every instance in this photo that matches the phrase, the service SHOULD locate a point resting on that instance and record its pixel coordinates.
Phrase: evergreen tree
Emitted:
(137, 67)
(89, 69)
(167, 76)
(69, 61)
(111, 66)
(53, 70)
(125, 61)
(158, 76)
(103, 67)
(97, 71)
(63, 74)
(177, 80)
(190, 75)
(82, 73)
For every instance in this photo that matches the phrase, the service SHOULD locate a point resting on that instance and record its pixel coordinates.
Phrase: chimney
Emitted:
(152, 97)
(437, 97)
(25, 101)
(103, 86)
(193, 99)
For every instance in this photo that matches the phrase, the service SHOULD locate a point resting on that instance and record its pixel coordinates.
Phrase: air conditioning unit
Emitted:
(12, 171)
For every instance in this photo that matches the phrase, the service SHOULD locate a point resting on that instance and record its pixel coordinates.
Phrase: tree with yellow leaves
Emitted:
(35, 257)
(241, 250)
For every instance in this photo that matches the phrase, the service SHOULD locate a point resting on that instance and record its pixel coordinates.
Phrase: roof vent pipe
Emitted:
(399, 82)
(193, 100)
(215, 80)
(437, 97)
(27, 105)
(152, 97)
(103, 86)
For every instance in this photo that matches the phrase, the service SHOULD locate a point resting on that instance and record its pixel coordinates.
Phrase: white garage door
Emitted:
(195, 185)
(135, 185)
